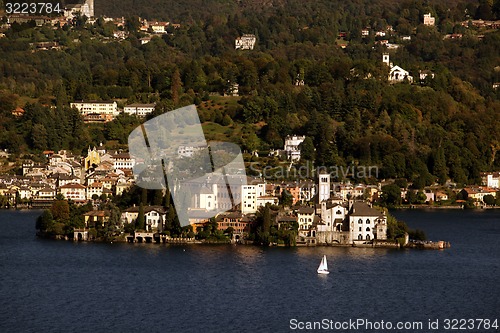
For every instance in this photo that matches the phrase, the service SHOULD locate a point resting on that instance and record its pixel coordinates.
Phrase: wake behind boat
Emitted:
(323, 266)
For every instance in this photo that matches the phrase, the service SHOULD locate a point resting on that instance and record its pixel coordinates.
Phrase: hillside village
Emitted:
(319, 210)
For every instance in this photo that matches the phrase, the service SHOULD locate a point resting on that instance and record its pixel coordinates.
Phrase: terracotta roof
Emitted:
(122, 156)
(73, 185)
(100, 213)
(305, 210)
(287, 219)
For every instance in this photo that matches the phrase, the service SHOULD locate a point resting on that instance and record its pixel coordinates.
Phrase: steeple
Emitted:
(385, 58)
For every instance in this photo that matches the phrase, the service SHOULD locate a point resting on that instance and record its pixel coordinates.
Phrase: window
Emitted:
(360, 228)
(360, 237)
(367, 221)
(367, 237)
(360, 221)
(368, 229)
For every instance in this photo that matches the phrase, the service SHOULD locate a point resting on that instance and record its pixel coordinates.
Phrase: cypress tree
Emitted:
(139, 223)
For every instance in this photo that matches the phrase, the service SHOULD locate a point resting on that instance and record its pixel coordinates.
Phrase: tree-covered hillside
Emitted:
(446, 127)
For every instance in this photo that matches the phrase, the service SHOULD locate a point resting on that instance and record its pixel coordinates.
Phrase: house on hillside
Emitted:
(429, 20)
(245, 42)
(96, 111)
(291, 147)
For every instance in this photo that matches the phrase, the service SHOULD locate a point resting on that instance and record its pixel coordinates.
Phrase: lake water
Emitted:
(60, 286)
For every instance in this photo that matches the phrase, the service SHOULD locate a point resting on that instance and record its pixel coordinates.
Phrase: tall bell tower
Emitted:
(385, 59)
(323, 187)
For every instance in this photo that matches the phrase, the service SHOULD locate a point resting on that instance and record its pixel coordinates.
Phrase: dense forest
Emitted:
(446, 127)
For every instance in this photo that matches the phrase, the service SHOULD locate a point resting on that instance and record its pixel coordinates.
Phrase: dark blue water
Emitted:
(59, 286)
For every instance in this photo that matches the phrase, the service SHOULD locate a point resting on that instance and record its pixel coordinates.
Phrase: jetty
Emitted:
(429, 245)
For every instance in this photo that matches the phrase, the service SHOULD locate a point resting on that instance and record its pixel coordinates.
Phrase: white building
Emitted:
(207, 198)
(429, 20)
(45, 193)
(398, 74)
(140, 110)
(491, 179)
(245, 42)
(85, 9)
(249, 195)
(67, 179)
(154, 217)
(101, 110)
(24, 192)
(366, 223)
(292, 147)
(123, 161)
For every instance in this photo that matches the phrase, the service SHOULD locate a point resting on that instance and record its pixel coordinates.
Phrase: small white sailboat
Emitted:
(323, 266)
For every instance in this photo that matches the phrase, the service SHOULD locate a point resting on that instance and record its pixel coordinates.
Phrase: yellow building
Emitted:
(93, 159)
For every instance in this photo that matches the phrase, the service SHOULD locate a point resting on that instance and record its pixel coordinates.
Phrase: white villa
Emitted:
(366, 223)
(206, 198)
(429, 20)
(292, 147)
(245, 42)
(491, 179)
(305, 217)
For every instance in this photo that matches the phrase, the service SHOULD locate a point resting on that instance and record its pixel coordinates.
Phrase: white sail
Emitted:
(323, 266)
